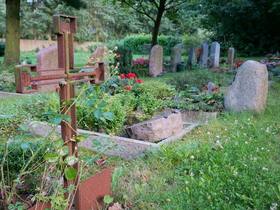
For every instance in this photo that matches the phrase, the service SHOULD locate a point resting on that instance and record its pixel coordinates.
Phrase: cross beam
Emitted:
(28, 79)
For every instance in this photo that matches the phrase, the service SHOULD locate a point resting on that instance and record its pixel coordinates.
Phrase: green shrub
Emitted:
(136, 43)
(196, 39)
(149, 104)
(160, 90)
(124, 58)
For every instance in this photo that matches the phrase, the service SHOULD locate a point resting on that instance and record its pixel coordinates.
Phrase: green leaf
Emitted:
(70, 173)
(108, 116)
(51, 157)
(97, 114)
(108, 199)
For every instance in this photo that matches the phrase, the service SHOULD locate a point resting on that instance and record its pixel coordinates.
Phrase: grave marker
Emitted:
(231, 56)
(156, 61)
(176, 57)
(192, 57)
(65, 27)
(215, 55)
(204, 55)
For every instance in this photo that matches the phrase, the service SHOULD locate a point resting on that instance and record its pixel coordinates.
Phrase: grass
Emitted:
(232, 163)
(81, 57)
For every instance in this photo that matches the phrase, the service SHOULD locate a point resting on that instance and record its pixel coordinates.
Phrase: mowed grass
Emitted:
(232, 163)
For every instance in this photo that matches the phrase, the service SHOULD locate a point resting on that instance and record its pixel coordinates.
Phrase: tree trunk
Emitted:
(157, 22)
(12, 49)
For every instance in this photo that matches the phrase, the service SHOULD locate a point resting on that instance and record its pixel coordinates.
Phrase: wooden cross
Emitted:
(64, 27)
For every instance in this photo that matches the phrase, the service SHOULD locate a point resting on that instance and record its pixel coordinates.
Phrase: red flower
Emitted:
(128, 87)
(139, 81)
(131, 75)
(123, 76)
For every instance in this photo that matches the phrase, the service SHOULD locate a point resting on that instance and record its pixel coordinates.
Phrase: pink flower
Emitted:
(139, 81)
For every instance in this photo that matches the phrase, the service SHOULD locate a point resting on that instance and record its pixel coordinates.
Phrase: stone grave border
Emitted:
(126, 148)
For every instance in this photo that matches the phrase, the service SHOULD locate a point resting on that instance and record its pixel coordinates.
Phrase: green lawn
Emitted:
(81, 57)
(232, 163)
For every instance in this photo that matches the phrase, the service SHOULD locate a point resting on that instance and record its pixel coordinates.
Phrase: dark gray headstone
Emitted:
(215, 55)
(204, 55)
(192, 57)
(231, 56)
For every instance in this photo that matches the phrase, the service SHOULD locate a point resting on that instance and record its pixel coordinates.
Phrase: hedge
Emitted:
(140, 43)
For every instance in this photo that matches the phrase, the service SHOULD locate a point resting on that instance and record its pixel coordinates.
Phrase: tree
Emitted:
(12, 49)
(251, 26)
(154, 10)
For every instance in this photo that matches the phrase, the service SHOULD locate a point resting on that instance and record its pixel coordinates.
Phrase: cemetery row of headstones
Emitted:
(203, 56)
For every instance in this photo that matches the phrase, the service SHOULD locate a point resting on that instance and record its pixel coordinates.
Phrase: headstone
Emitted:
(204, 55)
(47, 61)
(176, 57)
(158, 128)
(47, 58)
(192, 57)
(97, 56)
(215, 55)
(230, 59)
(156, 61)
(249, 89)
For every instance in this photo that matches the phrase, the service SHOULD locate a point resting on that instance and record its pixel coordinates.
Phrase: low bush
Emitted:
(139, 43)
(200, 78)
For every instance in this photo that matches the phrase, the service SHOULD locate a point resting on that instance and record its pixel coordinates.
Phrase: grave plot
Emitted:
(146, 136)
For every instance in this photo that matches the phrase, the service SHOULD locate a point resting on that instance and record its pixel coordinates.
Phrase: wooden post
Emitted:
(69, 129)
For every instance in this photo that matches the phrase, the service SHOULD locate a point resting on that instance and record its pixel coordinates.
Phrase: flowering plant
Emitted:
(140, 62)
(129, 80)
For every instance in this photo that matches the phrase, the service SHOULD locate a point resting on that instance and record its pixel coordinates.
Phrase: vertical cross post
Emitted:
(64, 27)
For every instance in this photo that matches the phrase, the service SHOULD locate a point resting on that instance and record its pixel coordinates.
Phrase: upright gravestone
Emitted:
(249, 90)
(176, 57)
(156, 61)
(47, 58)
(98, 56)
(47, 61)
(204, 55)
(230, 59)
(215, 55)
(192, 57)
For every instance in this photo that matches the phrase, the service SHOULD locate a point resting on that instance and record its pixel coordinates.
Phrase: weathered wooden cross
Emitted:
(66, 76)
